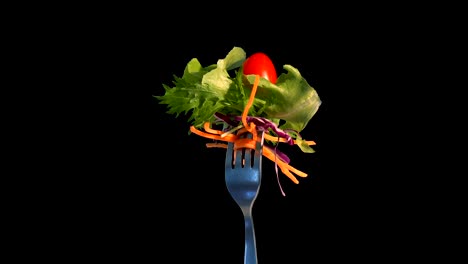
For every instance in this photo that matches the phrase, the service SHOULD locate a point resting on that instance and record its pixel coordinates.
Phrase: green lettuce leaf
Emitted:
(201, 91)
(291, 99)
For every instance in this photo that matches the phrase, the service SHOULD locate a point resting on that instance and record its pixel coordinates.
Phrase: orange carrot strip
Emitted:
(271, 156)
(254, 131)
(245, 143)
(283, 165)
(208, 129)
(250, 103)
(289, 174)
(228, 138)
(242, 131)
(296, 171)
(245, 130)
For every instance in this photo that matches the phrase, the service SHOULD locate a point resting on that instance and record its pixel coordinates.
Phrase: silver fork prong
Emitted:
(229, 156)
(246, 154)
(248, 158)
(238, 158)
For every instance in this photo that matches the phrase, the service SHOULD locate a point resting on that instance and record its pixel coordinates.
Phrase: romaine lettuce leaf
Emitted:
(291, 99)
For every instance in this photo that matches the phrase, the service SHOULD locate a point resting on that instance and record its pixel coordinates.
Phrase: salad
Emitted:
(239, 94)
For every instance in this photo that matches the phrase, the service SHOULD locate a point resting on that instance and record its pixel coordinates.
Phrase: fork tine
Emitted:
(238, 158)
(229, 156)
(247, 158)
(258, 151)
(246, 154)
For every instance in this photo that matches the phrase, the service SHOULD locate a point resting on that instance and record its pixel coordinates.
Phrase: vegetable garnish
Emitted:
(239, 101)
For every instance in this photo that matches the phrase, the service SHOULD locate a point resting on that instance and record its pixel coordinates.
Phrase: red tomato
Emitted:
(259, 63)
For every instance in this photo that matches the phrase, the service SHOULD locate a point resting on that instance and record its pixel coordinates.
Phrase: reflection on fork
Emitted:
(243, 173)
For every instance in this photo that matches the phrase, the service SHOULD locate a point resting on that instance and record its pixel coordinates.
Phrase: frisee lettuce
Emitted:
(223, 88)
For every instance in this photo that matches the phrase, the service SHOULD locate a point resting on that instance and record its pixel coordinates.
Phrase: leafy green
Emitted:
(203, 91)
(291, 99)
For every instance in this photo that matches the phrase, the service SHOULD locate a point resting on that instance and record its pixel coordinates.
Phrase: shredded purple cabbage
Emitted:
(228, 120)
(265, 124)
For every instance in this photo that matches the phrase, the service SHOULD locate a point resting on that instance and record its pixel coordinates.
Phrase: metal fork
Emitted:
(243, 174)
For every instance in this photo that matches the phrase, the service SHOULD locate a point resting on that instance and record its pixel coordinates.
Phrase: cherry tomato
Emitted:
(259, 63)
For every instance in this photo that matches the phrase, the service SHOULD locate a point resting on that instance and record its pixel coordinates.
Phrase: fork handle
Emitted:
(250, 250)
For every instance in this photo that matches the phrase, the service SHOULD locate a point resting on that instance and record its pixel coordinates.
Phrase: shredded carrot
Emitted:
(285, 168)
(229, 138)
(208, 129)
(245, 130)
(250, 143)
(247, 142)
(249, 104)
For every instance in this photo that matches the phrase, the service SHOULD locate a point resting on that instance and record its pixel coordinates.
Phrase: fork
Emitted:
(243, 174)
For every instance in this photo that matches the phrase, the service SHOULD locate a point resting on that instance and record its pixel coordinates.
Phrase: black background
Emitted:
(135, 185)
